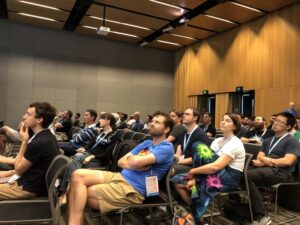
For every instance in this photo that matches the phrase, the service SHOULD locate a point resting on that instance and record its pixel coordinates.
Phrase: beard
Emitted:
(259, 126)
(155, 133)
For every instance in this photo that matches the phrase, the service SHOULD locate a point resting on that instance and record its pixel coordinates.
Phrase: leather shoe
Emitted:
(157, 216)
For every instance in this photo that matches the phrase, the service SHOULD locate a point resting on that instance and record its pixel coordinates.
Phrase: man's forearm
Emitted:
(7, 160)
(21, 153)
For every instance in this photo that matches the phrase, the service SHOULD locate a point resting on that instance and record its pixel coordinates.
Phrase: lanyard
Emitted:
(185, 142)
(263, 133)
(272, 147)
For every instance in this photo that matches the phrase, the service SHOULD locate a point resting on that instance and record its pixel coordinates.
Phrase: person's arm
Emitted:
(245, 140)
(186, 161)
(287, 160)
(178, 151)
(21, 163)
(7, 160)
(136, 162)
(171, 138)
(213, 167)
(7, 173)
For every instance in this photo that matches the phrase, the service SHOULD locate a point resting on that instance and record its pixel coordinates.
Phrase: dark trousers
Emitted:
(263, 177)
(68, 148)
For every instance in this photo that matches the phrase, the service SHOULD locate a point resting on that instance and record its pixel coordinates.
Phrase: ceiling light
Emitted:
(40, 5)
(117, 22)
(144, 43)
(166, 4)
(169, 43)
(168, 28)
(89, 27)
(38, 17)
(247, 7)
(221, 19)
(183, 20)
(177, 35)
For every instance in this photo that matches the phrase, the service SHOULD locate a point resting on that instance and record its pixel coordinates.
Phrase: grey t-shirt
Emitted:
(287, 145)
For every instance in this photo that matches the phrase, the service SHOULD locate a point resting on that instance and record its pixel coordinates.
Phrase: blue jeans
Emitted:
(76, 163)
(207, 185)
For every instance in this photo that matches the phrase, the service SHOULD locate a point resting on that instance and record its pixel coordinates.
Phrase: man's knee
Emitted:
(78, 175)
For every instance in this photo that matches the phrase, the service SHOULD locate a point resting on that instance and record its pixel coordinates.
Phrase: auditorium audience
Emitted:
(76, 122)
(259, 133)
(275, 163)
(292, 109)
(35, 155)
(138, 124)
(108, 191)
(81, 138)
(66, 123)
(122, 121)
(207, 126)
(178, 129)
(218, 168)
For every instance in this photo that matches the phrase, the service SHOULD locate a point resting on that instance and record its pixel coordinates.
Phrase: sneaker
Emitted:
(266, 220)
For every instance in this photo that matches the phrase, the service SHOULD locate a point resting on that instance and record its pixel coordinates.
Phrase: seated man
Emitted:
(108, 191)
(66, 124)
(35, 154)
(260, 132)
(207, 126)
(275, 163)
(82, 138)
(193, 133)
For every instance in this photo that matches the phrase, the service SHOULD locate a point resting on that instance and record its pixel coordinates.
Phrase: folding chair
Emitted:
(139, 137)
(166, 198)
(244, 191)
(39, 210)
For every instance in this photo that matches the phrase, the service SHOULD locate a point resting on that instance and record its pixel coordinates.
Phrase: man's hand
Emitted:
(80, 150)
(257, 163)
(190, 184)
(24, 132)
(88, 159)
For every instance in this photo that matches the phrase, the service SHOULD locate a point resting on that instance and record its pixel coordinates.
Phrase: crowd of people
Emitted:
(208, 161)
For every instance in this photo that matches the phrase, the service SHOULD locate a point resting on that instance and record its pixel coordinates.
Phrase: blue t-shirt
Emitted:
(163, 153)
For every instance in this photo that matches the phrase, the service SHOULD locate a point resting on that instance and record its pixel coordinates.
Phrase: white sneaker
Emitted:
(263, 221)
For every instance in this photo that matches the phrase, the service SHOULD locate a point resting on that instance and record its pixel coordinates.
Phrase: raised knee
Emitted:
(77, 175)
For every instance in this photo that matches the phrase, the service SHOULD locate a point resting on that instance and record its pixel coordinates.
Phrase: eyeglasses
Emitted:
(279, 122)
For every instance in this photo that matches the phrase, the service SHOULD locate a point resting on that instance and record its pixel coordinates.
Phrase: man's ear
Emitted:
(40, 120)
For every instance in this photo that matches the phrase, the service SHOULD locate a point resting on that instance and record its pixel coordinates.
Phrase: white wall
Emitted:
(77, 72)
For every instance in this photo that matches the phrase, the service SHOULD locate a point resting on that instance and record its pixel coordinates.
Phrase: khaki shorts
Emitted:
(116, 192)
(13, 191)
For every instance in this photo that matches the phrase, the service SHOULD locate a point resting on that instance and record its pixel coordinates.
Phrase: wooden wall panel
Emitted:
(262, 55)
(223, 103)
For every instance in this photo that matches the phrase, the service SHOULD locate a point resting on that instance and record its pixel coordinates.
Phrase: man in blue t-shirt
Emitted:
(107, 191)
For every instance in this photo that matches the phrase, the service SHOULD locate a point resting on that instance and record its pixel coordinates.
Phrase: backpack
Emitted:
(122, 149)
(182, 216)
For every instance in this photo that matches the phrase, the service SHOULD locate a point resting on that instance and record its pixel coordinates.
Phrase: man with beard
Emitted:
(259, 133)
(107, 191)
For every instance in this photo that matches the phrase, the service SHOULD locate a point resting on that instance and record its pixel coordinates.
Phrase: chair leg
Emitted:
(250, 208)
(276, 198)
(212, 211)
(121, 218)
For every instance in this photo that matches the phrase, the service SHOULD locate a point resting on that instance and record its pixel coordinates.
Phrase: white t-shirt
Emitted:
(232, 147)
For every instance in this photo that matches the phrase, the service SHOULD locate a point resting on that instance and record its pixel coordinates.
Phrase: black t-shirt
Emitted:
(176, 133)
(209, 129)
(40, 152)
(197, 135)
(258, 133)
(67, 125)
(287, 145)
